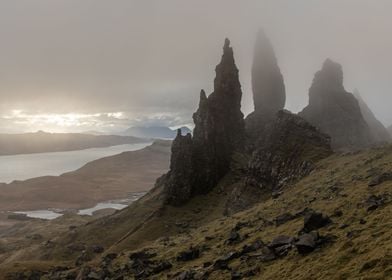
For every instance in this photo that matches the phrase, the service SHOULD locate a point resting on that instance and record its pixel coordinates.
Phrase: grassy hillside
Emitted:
(358, 244)
(100, 180)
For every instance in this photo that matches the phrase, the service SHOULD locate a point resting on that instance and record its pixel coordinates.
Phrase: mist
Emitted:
(128, 62)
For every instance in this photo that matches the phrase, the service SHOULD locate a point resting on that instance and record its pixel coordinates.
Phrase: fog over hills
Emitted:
(43, 142)
(286, 174)
(161, 132)
(142, 63)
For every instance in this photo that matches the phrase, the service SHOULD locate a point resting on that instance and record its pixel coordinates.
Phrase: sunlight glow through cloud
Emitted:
(63, 122)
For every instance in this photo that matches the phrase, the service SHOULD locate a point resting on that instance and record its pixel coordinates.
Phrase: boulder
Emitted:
(314, 221)
(380, 178)
(188, 255)
(307, 243)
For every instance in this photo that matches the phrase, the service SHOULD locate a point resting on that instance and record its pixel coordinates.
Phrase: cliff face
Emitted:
(282, 147)
(379, 133)
(219, 131)
(219, 125)
(286, 152)
(178, 180)
(336, 111)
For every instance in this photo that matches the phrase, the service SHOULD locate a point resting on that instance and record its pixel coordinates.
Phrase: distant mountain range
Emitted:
(42, 142)
(160, 132)
(390, 130)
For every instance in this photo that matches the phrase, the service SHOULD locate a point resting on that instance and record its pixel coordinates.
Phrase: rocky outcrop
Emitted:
(288, 151)
(336, 111)
(198, 163)
(219, 124)
(379, 132)
(268, 87)
(178, 183)
(269, 94)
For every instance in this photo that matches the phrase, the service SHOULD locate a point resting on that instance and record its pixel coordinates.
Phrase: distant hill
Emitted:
(390, 130)
(160, 132)
(99, 180)
(378, 130)
(42, 142)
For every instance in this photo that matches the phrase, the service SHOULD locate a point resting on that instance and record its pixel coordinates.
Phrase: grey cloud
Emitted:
(151, 58)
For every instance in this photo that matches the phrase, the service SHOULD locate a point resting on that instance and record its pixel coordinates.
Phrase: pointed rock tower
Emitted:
(218, 133)
(269, 94)
(379, 132)
(335, 111)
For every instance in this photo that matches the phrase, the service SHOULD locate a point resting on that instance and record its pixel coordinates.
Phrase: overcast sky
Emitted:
(72, 65)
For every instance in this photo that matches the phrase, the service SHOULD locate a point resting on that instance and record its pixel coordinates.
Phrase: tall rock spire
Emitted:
(219, 124)
(198, 163)
(269, 94)
(335, 111)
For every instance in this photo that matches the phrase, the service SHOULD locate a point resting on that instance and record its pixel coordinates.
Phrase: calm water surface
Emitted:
(22, 167)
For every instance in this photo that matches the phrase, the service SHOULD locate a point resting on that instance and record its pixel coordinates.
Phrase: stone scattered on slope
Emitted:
(314, 221)
(306, 243)
(380, 178)
(336, 111)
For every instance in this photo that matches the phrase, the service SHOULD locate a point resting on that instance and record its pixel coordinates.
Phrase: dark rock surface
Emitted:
(178, 180)
(219, 125)
(379, 132)
(198, 163)
(306, 243)
(314, 221)
(286, 152)
(380, 178)
(336, 111)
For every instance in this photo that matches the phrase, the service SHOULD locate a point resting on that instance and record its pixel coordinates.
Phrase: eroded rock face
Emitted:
(268, 87)
(219, 125)
(336, 111)
(286, 152)
(178, 183)
(379, 132)
(198, 163)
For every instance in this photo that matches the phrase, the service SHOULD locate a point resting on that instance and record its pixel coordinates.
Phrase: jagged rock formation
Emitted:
(286, 152)
(379, 132)
(268, 87)
(178, 180)
(219, 124)
(219, 131)
(336, 111)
